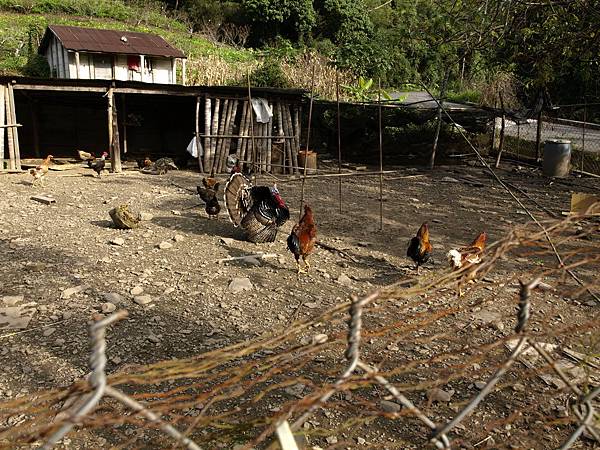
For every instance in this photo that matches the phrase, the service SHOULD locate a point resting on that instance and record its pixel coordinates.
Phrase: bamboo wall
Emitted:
(230, 127)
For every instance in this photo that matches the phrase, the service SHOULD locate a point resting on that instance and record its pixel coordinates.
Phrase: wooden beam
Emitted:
(183, 72)
(142, 61)
(38, 87)
(197, 123)
(77, 66)
(9, 134)
(15, 130)
(2, 126)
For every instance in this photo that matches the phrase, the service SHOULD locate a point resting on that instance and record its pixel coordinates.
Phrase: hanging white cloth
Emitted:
(262, 110)
(192, 148)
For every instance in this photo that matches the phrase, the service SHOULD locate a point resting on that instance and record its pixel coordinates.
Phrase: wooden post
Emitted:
(15, 130)
(124, 125)
(583, 131)
(339, 133)
(2, 110)
(142, 67)
(223, 124)
(538, 138)
(77, 66)
(439, 119)
(9, 131)
(310, 110)
(207, 122)
(113, 133)
(293, 148)
(183, 71)
(243, 143)
(380, 156)
(174, 69)
(502, 131)
(280, 132)
(197, 123)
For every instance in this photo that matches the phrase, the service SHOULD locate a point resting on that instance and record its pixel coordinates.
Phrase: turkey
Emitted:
(258, 210)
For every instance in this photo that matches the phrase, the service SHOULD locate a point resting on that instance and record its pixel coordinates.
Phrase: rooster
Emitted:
(464, 256)
(208, 194)
(419, 249)
(143, 162)
(258, 210)
(39, 172)
(98, 164)
(302, 239)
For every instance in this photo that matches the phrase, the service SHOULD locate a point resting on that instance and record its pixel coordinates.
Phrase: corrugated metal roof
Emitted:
(110, 41)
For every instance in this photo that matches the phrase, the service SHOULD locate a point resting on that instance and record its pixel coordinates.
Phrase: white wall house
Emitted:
(86, 53)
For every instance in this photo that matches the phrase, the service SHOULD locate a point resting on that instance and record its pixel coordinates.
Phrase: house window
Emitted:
(133, 63)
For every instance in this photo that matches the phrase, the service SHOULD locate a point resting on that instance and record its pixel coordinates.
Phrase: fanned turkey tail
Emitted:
(236, 198)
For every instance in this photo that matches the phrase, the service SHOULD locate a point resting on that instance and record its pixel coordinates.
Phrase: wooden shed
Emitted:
(133, 120)
(87, 53)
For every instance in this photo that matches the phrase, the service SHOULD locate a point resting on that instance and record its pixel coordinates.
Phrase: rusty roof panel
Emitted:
(112, 41)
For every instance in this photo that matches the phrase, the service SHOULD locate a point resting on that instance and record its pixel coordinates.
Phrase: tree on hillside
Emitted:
(291, 19)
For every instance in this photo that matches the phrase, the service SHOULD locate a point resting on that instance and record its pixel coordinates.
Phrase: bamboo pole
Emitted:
(207, 130)
(297, 128)
(294, 148)
(280, 132)
(381, 156)
(538, 138)
(2, 110)
(339, 133)
(242, 141)
(439, 119)
(9, 131)
(269, 133)
(502, 130)
(238, 150)
(229, 131)
(310, 110)
(214, 130)
(251, 122)
(245, 140)
(15, 130)
(219, 141)
(288, 144)
(197, 126)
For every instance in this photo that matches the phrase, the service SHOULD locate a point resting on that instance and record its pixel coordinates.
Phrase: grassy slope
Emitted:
(16, 22)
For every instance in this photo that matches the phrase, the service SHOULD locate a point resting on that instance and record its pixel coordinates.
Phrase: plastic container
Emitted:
(311, 164)
(557, 158)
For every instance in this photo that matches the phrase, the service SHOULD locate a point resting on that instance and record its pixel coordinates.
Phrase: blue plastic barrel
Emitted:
(557, 158)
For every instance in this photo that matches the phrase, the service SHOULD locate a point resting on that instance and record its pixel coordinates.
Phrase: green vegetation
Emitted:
(521, 49)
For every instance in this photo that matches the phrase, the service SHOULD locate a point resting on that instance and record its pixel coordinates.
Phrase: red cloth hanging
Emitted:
(133, 62)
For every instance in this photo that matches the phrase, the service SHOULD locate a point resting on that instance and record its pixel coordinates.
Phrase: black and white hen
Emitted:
(258, 210)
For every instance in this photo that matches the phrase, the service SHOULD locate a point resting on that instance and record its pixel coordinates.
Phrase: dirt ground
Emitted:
(49, 249)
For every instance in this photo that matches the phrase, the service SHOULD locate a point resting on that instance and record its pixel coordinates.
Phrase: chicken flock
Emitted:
(260, 211)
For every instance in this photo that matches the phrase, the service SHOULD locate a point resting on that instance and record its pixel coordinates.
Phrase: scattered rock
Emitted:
(142, 299)
(439, 395)
(137, 290)
(226, 241)
(67, 293)
(344, 280)
(450, 180)
(319, 339)
(331, 439)
(116, 360)
(518, 387)
(117, 241)
(164, 245)
(12, 300)
(67, 315)
(59, 342)
(49, 331)
(169, 290)
(145, 217)
(240, 284)
(480, 384)
(154, 339)
(110, 297)
(175, 212)
(390, 407)
(296, 390)
(107, 307)
(178, 238)
(361, 441)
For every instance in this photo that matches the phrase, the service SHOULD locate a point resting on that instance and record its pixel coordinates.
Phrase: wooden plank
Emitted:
(207, 122)
(15, 129)
(2, 109)
(9, 134)
(116, 142)
(580, 202)
(77, 65)
(44, 198)
(214, 130)
(197, 137)
(37, 87)
(183, 71)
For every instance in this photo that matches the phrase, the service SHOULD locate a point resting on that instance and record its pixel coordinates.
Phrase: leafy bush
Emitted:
(292, 19)
(269, 74)
(37, 66)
